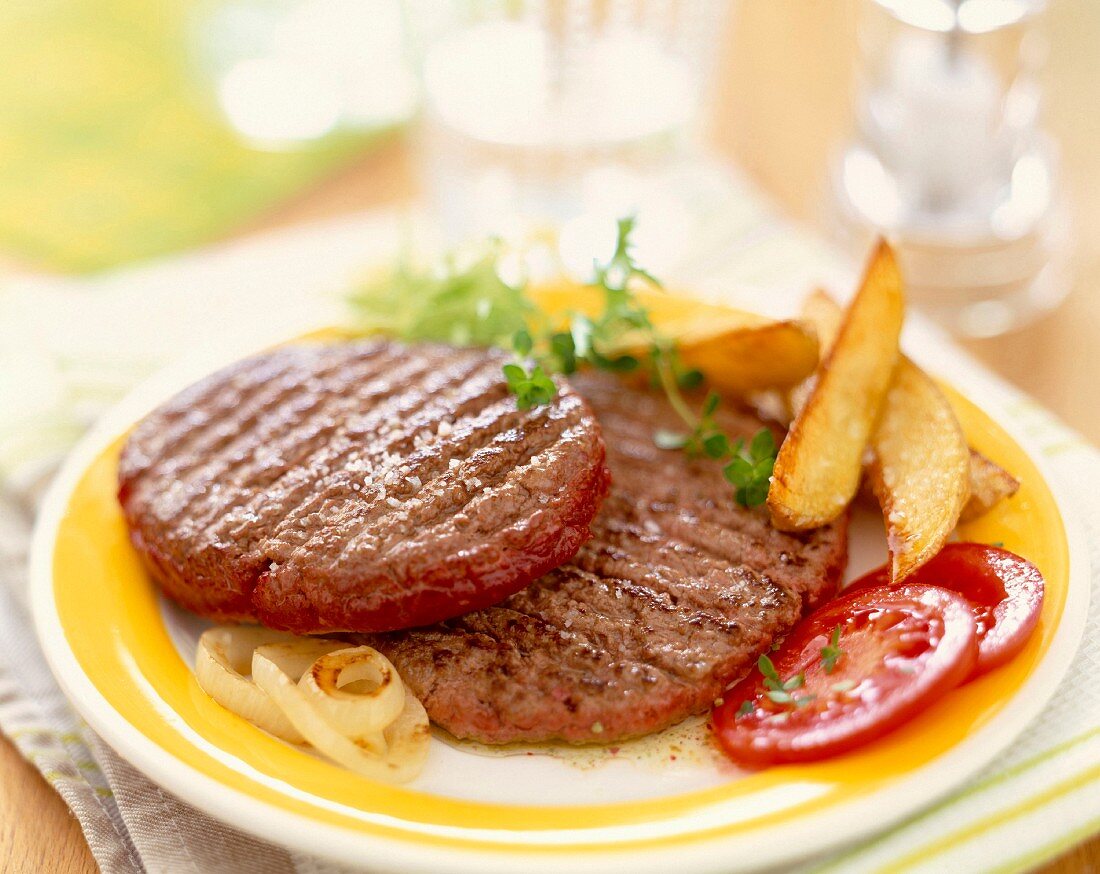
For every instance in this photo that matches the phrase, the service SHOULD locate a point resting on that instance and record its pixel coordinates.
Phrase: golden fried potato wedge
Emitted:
(776, 355)
(920, 469)
(738, 351)
(989, 485)
(818, 469)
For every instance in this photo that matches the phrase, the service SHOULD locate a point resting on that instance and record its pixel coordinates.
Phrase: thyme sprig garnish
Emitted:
(781, 691)
(778, 690)
(465, 301)
(598, 341)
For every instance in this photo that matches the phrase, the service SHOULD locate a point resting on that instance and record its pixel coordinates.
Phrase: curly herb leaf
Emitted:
(466, 305)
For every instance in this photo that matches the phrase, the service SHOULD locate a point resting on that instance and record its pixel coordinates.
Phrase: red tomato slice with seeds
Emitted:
(898, 650)
(1004, 590)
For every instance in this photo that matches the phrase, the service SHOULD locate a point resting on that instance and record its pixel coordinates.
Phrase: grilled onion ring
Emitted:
(358, 690)
(223, 660)
(406, 737)
(348, 702)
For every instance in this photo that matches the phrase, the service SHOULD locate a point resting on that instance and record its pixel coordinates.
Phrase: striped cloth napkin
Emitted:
(69, 349)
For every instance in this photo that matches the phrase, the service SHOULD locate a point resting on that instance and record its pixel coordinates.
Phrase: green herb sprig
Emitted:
(831, 652)
(472, 304)
(748, 468)
(778, 690)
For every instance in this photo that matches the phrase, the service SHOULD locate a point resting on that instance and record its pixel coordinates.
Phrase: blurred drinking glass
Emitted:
(949, 159)
(538, 112)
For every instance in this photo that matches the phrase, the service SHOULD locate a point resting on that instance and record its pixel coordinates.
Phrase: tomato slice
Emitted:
(1005, 591)
(899, 650)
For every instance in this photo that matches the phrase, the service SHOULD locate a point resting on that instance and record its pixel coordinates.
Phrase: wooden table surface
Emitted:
(783, 106)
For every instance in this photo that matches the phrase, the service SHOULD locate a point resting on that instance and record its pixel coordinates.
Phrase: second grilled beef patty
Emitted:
(676, 594)
(361, 486)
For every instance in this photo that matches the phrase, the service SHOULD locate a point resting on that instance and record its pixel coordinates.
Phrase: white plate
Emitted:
(638, 810)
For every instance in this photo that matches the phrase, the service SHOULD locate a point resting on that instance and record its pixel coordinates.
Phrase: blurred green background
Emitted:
(107, 126)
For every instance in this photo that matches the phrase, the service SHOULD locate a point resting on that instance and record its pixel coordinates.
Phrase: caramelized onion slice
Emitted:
(406, 738)
(223, 660)
(358, 691)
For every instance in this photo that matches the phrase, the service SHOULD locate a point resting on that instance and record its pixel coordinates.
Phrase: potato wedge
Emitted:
(920, 469)
(989, 485)
(818, 469)
(777, 355)
(739, 352)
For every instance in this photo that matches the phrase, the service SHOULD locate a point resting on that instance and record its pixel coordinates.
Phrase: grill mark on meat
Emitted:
(271, 513)
(420, 406)
(184, 421)
(323, 415)
(299, 403)
(487, 429)
(225, 458)
(279, 520)
(676, 594)
(497, 472)
(235, 419)
(672, 573)
(517, 632)
(736, 546)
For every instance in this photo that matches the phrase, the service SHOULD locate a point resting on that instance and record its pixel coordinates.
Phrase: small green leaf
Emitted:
(564, 349)
(752, 495)
(710, 404)
(624, 364)
(779, 696)
(745, 709)
(763, 445)
(522, 343)
(738, 472)
(795, 682)
(832, 651)
(762, 470)
(716, 445)
(765, 666)
(690, 379)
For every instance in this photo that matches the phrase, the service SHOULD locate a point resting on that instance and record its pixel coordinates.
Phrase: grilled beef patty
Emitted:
(676, 595)
(365, 486)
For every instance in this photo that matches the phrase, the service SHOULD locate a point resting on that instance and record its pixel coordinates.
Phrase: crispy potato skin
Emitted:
(920, 469)
(819, 466)
(989, 485)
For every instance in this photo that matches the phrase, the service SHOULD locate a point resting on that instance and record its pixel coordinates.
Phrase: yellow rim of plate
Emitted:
(109, 614)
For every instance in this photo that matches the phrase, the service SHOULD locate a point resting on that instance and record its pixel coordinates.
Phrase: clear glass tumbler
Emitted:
(539, 111)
